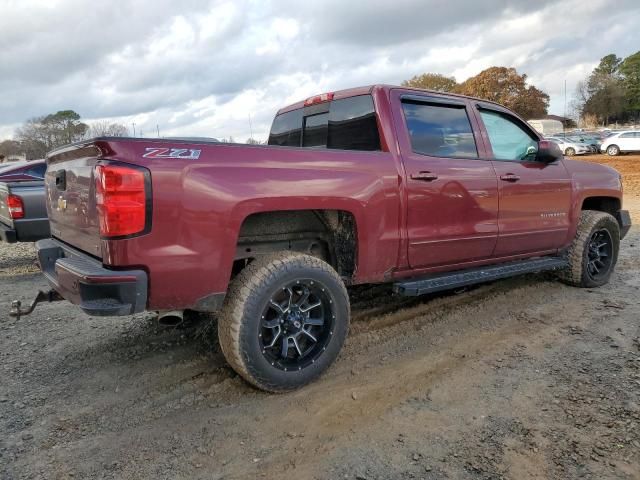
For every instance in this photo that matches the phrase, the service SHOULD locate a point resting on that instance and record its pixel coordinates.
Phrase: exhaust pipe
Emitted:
(171, 318)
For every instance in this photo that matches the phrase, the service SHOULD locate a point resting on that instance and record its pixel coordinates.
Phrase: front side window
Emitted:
(509, 141)
(628, 135)
(440, 130)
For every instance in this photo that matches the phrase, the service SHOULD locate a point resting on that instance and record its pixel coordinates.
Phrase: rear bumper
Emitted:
(7, 234)
(25, 230)
(624, 220)
(82, 280)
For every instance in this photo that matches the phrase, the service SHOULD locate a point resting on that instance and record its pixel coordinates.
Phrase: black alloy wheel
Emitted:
(296, 325)
(599, 254)
(285, 319)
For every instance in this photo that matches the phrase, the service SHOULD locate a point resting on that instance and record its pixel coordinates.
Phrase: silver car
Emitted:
(570, 148)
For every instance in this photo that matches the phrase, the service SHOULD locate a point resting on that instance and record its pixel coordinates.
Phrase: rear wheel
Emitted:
(613, 150)
(570, 152)
(284, 321)
(594, 251)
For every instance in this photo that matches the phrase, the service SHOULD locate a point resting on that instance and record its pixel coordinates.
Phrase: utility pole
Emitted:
(564, 121)
(134, 128)
(158, 129)
(250, 127)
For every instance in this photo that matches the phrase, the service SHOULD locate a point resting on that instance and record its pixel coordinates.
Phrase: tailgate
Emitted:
(70, 196)
(31, 194)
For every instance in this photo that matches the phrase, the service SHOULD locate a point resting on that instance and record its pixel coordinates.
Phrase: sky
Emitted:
(221, 69)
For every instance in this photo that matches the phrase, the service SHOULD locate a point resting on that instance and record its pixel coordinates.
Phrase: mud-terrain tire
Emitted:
(264, 310)
(594, 252)
(613, 150)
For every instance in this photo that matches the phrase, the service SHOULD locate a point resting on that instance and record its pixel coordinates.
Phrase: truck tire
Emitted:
(284, 320)
(594, 252)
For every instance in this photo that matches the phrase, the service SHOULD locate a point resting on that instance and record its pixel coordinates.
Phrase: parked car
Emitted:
(591, 143)
(427, 191)
(621, 142)
(16, 171)
(23, 211)
(570, 148)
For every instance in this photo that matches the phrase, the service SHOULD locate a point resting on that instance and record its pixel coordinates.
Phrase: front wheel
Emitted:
(613, 150)
(594, 252)
(284, 321)
(570, 152)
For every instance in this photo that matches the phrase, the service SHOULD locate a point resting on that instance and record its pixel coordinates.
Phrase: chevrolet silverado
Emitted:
(424, 190)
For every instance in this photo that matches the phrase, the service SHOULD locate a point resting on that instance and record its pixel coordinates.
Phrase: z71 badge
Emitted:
(184, 153)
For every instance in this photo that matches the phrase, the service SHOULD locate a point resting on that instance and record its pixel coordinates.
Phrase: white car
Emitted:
(621, 142)
(570, 148)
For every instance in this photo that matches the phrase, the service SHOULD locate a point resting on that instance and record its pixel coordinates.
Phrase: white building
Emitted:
(546, 126)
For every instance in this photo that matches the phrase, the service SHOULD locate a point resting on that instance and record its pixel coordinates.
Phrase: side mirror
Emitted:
(548, 152)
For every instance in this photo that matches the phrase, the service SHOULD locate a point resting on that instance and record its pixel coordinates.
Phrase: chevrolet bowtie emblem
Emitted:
(62, 203)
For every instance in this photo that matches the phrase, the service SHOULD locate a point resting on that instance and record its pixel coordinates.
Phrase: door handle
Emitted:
(424, 176)
(510, 177)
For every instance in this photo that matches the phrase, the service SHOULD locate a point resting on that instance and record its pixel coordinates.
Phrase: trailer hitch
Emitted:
(16, 306)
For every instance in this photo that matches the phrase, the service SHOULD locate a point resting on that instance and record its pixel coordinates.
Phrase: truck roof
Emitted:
(352, 92)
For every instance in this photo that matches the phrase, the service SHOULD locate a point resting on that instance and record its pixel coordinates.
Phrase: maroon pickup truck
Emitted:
(427, 191)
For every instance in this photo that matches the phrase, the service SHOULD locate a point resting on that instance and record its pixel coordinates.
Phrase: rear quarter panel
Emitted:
(199, 206)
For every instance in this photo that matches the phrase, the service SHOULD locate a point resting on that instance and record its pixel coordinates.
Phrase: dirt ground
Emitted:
(521, 379)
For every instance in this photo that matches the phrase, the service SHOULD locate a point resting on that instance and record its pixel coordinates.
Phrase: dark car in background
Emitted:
(19, 171)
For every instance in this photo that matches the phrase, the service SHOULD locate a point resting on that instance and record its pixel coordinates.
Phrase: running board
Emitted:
(463, 278)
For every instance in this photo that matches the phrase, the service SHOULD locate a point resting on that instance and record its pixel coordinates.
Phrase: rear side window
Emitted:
(346, 124)
(440, 130)
(353, 125)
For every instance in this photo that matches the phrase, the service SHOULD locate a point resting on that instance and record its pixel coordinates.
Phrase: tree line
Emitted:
(42, 134)
(611, 93)
(499, 84)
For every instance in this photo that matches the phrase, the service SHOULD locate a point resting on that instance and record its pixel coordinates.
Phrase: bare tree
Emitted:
(103, 128)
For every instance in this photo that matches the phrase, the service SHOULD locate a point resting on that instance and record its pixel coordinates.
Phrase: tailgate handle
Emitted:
(61, 179)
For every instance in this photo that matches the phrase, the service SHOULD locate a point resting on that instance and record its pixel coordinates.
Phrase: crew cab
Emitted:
(424, 190)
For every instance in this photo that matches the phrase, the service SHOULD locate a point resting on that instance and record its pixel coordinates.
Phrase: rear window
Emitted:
(286, 130)
(346, 124)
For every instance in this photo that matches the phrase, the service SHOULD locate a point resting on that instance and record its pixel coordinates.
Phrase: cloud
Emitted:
(202, 68)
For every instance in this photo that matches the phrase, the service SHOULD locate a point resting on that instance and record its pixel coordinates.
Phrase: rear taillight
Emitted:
(16, 207)
(121, 200)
